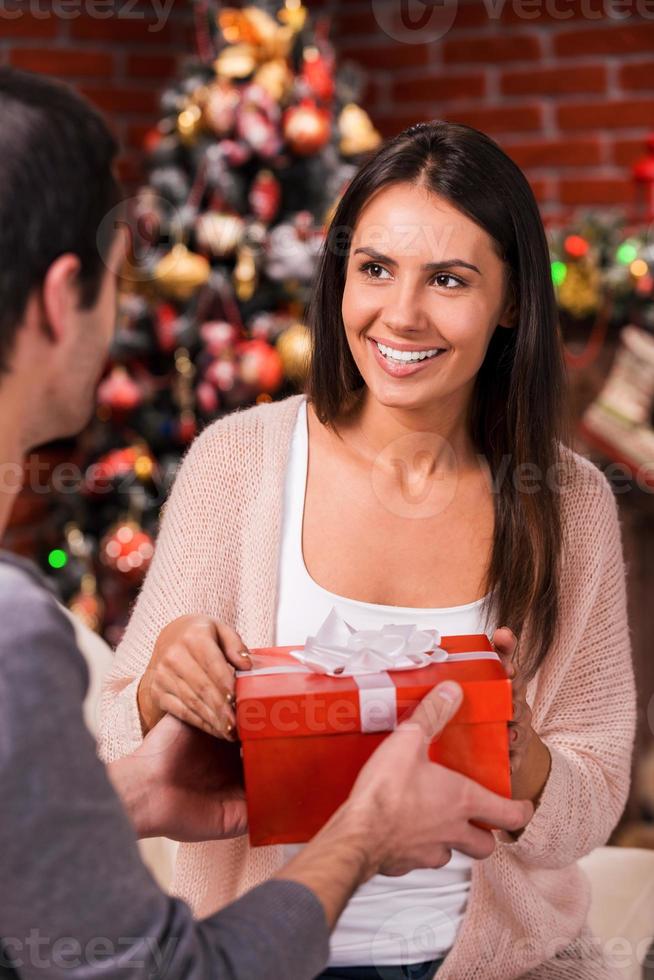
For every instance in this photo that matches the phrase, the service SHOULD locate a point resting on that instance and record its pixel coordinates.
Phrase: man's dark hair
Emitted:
(56, 186)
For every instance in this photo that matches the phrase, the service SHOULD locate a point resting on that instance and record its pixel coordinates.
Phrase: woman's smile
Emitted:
(399, 367)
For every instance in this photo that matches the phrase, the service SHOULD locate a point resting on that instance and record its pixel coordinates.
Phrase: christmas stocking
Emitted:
(619, 420)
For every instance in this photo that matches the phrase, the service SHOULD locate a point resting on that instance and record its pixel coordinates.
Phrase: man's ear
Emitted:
(60, 294)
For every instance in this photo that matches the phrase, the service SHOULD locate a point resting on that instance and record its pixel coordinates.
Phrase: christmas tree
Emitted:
(255, 145)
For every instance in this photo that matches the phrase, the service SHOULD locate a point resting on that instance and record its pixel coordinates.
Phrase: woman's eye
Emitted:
(369, 266)
(445, 275)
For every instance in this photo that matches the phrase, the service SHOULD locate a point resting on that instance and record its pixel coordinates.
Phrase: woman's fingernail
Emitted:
(244, 653)
(230, 699)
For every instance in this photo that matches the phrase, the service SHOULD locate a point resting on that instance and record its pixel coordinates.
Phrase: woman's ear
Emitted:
(509, 318)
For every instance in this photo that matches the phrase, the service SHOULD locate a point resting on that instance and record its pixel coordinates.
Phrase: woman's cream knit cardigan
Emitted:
(217, 554)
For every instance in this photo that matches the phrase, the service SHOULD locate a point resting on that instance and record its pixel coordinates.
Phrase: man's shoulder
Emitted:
(33, 624)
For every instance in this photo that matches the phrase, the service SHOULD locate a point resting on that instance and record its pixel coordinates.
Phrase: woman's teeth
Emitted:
(407, 355)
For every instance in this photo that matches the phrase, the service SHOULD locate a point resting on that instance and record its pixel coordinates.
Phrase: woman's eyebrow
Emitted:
(427, 267)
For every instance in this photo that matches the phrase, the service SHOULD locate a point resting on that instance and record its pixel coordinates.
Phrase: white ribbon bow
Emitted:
(339, 650)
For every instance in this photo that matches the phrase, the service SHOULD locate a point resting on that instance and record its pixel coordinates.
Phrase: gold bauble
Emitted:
(293, 14)
(180, 273)
(580, 292)
(237, 61)
(189, 124)
(294, 346)
(219, 233)
(245, 274)
(358, 135)
(276, 78)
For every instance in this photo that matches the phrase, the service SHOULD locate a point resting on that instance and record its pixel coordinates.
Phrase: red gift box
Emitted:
(306, 735)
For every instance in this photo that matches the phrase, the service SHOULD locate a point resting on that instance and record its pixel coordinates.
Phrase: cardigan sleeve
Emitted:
(589, 726)
(175, 585)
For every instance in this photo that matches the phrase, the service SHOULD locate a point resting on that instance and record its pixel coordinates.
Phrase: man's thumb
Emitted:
(437, 708)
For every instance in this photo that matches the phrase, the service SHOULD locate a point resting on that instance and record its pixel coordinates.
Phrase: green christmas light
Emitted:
(626, 253)
(57, 558)
(559, 272)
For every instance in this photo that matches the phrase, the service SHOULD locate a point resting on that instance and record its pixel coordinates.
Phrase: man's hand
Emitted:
(404, 812)
(183, 784)
(422, 811)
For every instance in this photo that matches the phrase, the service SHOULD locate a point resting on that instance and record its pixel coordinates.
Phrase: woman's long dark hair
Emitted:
(518, 413)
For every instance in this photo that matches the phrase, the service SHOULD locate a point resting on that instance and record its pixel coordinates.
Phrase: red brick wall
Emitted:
(571, 98)
(120, 62)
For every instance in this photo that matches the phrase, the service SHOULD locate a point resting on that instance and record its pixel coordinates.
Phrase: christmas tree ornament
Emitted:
(260, 366)
(119, 392)
(307, 128)
(294, 348)
(265, 196)
(357, 133)
(180, 273)
(87, 605)
(165, 319)
(222, 374)
(189, 124)
(127, 549)
(294, 15)
(619, 421)
(218, 233)
(220, 105)
(291, 253)
(236, 63)
(135, 461)
(317, 74)
(580, 292)
(276, 78)
(207, 398)
(219, 337)
(245, 273)
(257, 121)
(184, 396)
(268, 325)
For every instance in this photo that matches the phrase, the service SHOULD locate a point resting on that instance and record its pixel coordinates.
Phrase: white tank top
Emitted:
(390, 920)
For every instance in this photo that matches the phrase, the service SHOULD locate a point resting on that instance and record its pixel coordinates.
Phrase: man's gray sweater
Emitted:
(76, 901)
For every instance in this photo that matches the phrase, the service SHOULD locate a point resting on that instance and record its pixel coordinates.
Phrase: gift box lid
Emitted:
(281, 698)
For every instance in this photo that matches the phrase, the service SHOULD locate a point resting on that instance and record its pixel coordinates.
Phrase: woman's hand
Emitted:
(529, 757)
(191, 675)
(520, 730)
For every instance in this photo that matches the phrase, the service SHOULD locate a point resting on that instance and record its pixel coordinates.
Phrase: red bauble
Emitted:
(207, 398)
(127, 549)
(260, 366)
(306, 127)
(222, 374)
(116, 465)
(119, 392)
(317, 72)
(165, 327)
(265, 196)
(219, 336)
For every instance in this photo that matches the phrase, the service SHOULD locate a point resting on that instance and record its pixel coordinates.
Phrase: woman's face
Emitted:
(394, 296)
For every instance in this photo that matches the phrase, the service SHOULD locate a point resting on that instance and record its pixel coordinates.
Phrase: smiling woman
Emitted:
(436, 254)
(422, 478)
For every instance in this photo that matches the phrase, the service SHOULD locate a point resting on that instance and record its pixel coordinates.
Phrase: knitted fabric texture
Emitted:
(217, 554)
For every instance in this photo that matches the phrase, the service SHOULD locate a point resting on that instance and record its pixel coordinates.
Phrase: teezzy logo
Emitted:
(415, 21)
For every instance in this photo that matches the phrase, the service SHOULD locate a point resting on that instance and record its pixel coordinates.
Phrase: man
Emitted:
(75, 899)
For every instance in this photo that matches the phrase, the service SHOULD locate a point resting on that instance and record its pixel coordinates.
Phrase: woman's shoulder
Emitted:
(588, 501)
(243, 436)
